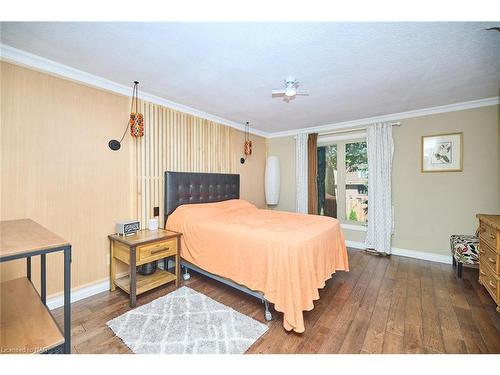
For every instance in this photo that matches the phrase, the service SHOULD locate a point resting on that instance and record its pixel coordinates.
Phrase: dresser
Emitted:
(489, 255)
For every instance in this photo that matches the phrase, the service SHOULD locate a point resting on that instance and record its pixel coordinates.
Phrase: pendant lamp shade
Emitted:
(272, 180)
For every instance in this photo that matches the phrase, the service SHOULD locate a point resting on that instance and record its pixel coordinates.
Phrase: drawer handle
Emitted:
(159, 250)
(492, 260)
(482, 272)
(481, 251)
(492, 284)
(492, 236)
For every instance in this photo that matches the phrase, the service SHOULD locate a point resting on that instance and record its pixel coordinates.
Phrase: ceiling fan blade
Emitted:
(302, 92)
(278, 92)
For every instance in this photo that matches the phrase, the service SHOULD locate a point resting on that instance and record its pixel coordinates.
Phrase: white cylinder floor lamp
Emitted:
(272, 181)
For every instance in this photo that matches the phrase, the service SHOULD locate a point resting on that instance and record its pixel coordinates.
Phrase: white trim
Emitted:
(359, 228)
(326, 140)
(424, 255)
(79, 293)
(355, 244)
(89, 290)
(20, 57)
(390, 117)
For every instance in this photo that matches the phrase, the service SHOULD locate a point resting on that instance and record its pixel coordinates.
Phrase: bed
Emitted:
(281, 257)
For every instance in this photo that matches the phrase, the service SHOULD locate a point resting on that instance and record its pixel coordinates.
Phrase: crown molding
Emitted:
(351, 125)
(23, 58)
(29, 60)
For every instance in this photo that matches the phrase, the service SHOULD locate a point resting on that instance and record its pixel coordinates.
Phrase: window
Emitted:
(327, 180)
(356, 182)
(343, 179)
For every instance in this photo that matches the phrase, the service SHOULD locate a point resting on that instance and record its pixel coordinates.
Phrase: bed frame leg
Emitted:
(186, 276)
(267, 313)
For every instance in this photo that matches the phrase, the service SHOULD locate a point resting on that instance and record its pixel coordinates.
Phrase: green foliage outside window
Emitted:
(353, 216)
(356, 158)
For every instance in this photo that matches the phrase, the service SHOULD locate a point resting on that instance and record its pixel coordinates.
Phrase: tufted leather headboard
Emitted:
(193, 187)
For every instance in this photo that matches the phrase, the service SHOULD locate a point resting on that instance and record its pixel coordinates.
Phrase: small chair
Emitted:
(464, 250)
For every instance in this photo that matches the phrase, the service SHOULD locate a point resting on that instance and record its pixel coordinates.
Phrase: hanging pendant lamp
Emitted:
(247, 147)
(136, 119)
(135, 122)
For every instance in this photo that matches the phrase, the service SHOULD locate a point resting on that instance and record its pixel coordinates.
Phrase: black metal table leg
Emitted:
(43, 278)
(132, 277)
(28, 268)
(177, 263)
(67, 300)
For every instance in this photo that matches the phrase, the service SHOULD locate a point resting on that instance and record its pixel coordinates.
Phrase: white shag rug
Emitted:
(185, 321)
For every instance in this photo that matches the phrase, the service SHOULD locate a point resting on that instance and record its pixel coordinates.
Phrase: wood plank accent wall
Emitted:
(175, 141)
(57, 169)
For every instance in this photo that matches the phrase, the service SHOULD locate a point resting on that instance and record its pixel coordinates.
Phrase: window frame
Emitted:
(341, 140)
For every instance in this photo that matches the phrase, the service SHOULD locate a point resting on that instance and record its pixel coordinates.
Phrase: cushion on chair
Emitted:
(465, 248)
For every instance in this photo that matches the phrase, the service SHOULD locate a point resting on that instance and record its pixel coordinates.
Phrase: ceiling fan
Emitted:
(290, 90)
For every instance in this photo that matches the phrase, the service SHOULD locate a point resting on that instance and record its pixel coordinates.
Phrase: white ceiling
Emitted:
(352, 70)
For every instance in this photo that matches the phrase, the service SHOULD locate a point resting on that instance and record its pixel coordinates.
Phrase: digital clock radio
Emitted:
(124, 228)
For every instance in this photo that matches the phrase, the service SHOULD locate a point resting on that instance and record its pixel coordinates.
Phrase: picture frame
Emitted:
(442, 153)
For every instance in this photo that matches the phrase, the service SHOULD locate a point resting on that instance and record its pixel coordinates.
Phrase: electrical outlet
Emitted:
(156, 211)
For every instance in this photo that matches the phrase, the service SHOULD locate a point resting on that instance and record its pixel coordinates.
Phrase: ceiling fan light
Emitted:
(290, 91)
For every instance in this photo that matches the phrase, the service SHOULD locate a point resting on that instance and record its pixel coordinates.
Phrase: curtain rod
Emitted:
(396, 123)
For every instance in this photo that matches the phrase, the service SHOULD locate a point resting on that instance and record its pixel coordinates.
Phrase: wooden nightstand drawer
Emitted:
(488, 234)
(157, 250)
(489, 258)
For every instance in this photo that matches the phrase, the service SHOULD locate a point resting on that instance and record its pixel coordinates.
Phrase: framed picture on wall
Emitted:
(442, 152)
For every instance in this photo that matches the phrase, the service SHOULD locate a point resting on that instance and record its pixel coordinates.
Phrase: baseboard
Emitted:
(89, 290)
(355, 245)
(424, 255)
(79, 293)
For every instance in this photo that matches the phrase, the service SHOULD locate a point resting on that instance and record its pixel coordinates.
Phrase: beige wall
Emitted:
(252, 172)
(56, 168)
(429, 207)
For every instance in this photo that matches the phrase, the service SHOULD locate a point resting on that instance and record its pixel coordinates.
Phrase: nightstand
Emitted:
(144, 247)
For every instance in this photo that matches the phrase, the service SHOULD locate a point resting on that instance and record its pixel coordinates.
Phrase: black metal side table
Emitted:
(19, 299)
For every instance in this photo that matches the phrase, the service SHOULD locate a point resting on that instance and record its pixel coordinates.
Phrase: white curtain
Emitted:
(301, 172)
(380, 214)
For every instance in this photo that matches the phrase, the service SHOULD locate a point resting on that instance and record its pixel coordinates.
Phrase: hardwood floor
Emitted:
(383, 305)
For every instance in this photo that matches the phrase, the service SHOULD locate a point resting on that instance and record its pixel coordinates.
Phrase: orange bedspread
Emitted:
(285, 255)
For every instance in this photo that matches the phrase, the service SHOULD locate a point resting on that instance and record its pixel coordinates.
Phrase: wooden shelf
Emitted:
(145, 283)
(26, 325)
(24, 235)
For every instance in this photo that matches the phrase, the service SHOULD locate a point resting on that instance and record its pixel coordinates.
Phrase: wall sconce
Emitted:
(247, 148)
(136, 120)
